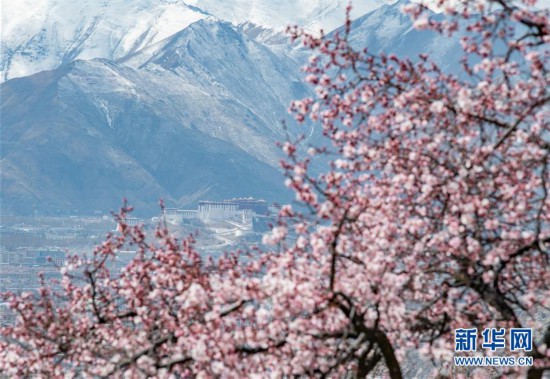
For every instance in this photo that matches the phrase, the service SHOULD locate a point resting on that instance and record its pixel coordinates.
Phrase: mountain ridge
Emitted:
(40, 35)
(158, 131)
(195, 115)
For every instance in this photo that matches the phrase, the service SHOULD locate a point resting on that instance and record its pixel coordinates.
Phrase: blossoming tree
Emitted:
(432, 214)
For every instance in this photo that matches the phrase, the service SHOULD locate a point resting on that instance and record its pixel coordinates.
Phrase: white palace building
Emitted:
(214, 211)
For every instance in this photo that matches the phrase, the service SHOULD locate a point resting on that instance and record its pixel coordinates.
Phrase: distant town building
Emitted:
(14, 237)
(208, 211)
(176, 216)
(21, 278)
(257, 206)
(32, 257)
(217, 210)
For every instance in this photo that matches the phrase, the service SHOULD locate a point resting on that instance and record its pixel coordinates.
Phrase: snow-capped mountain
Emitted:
(194, 116)
(232, 71)
(310, 14)
(388, 29)
(187, 116)
(40, 35)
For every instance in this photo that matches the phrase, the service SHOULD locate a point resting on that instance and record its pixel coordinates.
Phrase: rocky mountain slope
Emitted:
(178, 120)
(192, 116)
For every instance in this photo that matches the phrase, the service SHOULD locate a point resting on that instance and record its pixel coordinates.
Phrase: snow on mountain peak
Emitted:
(40, 35)
(311, 14)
